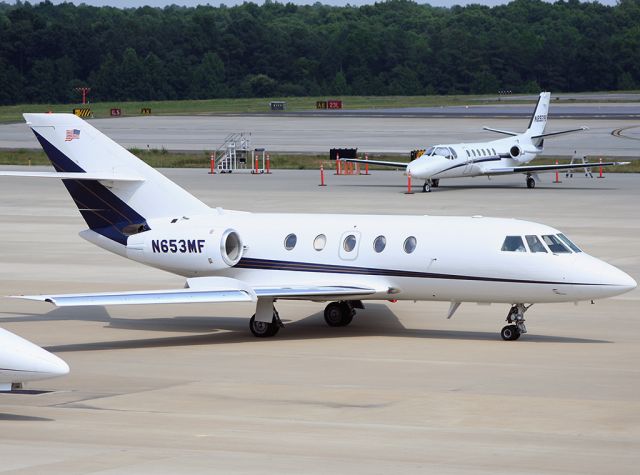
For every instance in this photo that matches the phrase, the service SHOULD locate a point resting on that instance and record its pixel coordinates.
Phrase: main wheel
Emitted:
(531, 183)
(510, 333)
(263, 329)
(426, 188)
(338, 314)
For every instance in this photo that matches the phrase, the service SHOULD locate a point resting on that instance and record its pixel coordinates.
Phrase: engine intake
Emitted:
(515, 151)
(231, 247)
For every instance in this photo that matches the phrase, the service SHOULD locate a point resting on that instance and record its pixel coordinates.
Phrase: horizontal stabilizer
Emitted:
(562, 132)
(73, 176)
(377, 162)
(499, 131)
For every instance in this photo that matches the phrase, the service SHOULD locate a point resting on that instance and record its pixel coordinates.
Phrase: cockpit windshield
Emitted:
(568, 242)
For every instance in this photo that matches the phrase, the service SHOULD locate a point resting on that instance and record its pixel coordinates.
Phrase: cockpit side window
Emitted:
(443, 151)
(513, 244)
(534, 244)
(568, 242)
(555, 244)
(453, 153)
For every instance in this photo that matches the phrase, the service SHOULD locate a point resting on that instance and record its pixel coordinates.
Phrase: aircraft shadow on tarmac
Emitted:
(378, 320)
(21, 418)
(417, 187)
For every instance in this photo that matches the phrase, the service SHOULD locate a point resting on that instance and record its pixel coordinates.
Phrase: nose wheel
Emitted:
(516, 326)
(531, 183)
(426, 188)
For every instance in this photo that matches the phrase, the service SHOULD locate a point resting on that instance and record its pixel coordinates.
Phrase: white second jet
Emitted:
(497, 157)
(136, 212)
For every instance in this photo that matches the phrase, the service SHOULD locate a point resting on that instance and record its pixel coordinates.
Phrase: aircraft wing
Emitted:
(550, 168)
(205, 290)
(377, 162)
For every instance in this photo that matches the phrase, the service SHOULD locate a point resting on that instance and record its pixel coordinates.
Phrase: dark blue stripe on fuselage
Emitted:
(103, 211)
(464, 164)
(268, 264)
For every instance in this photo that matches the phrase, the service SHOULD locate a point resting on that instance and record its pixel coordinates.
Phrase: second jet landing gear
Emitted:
(531, 182)
(516, 326)
(426, 188)
(340, 314)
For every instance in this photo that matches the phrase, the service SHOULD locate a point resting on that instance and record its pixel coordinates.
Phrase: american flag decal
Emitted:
(72, 134)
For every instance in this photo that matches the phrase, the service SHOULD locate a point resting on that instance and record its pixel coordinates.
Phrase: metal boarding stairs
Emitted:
(233, 154)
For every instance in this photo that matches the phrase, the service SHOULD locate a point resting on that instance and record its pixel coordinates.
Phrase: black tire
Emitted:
(510, 333)
(263, 329)
(338, 314)
(531, 183)
(426, 188)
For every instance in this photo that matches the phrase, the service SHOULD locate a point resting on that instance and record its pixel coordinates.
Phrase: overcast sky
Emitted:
(163, 3)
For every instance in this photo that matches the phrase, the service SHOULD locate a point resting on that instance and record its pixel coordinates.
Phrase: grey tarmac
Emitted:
(187, 389)
(386, 133)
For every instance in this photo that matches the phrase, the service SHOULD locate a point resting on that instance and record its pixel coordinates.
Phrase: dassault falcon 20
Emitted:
(231, 256)
(497, 157)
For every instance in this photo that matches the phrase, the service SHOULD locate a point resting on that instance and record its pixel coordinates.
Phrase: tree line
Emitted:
(396, 47)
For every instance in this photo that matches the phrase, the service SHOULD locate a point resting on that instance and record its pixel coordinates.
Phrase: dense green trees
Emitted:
(394, 47)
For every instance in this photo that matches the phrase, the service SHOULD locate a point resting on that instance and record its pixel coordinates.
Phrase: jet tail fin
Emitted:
(538, 120)
(75, 147)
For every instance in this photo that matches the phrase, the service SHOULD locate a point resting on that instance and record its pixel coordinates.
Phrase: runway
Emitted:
(314, 134)
(177, 389)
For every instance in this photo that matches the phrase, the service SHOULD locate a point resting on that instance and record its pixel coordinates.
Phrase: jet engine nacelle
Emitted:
(187, 251)
(515, 152)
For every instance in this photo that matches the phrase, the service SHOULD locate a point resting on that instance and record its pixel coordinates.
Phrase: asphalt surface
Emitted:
(314, 134)
(177, 389)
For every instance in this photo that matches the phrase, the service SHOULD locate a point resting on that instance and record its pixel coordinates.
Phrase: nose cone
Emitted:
(612, 281)
(622, 280)
(419, 168)
(21, 360)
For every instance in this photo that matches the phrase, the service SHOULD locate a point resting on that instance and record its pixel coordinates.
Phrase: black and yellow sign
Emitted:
(83, 112)
(416, 153)
(145, 111)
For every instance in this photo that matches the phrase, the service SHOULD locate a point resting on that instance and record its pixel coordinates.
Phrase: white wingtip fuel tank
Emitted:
(22, 361)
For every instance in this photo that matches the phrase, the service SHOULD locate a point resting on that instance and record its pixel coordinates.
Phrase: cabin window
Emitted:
(535, 245)
(290, 242)
(479, 153)
(468, 154)
(474, 152)
(349, 243)
(513, 244)
(568, 242)
(379, 243)
(555, 244)
(494, 151)
(410, 244)
(319, 242)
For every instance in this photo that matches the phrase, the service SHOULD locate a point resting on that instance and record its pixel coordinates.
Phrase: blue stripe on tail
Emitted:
(103, 211)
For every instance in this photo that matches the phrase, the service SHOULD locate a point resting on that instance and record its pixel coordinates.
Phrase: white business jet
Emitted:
(497, 157)
(22, 361)
(230, 256)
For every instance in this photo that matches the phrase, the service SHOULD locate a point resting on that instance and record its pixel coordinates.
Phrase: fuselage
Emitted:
(473, 159)
(407, 257)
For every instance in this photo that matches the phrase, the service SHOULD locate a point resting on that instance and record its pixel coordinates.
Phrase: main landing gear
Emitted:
(340, 314)
(516, 326)
(426, 188)
(531, 183)
(336, 314)
(266, 329)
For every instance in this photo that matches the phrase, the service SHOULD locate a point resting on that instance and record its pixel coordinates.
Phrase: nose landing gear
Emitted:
(531, 182)
(426, 188)
(516, 326)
